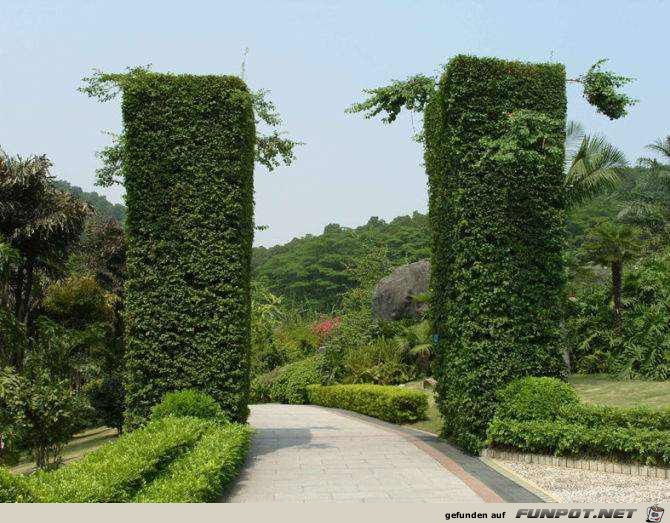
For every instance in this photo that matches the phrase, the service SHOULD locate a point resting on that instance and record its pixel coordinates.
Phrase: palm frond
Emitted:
(593, 169)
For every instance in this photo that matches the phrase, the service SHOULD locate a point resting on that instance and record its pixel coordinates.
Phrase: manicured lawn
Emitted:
(82, 443)
(606, 390)
(592, 388)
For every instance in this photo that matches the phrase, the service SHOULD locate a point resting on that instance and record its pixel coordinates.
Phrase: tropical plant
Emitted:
(38, 221)
(613, 245)
(592, 167)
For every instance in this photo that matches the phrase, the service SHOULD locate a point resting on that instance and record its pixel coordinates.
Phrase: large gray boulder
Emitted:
(392, 296)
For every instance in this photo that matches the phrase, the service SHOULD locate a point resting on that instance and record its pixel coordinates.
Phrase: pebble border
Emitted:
(596, 464)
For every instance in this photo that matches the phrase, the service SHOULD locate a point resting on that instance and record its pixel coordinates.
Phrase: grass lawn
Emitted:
(605, 390)
(592, 388)
(82, 443)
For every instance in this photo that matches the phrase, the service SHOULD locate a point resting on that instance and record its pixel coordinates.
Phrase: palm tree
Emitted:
(37, 220)
(650, 207)
(613, 245)
(592, 165)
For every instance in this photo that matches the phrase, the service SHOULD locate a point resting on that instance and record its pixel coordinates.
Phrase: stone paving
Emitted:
(304, 453)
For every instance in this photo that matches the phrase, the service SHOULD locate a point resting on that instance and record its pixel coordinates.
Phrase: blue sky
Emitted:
(315, 57)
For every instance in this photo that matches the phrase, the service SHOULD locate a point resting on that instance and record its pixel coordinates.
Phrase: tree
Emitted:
(593, 165)
(650, 207)
(613, 245)
(40, 222)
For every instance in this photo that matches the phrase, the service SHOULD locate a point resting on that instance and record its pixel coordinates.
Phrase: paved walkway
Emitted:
(304, 453)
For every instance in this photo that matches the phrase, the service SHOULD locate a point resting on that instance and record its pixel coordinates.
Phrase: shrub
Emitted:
(201, 475)
(13, 488)
(107, 398)
(545, 415)
(191, 403)
(494, 154)
(601, 415)
(13, 423)
(535, 399)
(288, 384)
(77, 302)
(188, 166)
(651, 447)
(388, 403)
(383, 362)
(116, 471)
(41, 415)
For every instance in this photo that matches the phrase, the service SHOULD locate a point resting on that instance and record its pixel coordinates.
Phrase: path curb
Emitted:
(489, 483)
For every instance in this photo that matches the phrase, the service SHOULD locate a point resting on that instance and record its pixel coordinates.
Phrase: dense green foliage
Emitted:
(13, 488)
(600, 89)
(288, 384)
(191, 403)
(172, 459)
(392, 404)
(535, 399)
(116, 471)
(650, 447)
(189, 159)
(312, 271)
(544, 415)
(494, 156)
(200, 475)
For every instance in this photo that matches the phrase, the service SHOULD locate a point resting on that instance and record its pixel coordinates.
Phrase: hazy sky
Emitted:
(316, 57)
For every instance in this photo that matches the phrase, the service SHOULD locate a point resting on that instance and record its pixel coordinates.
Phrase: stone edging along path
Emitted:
(594, 464)
(303, 453)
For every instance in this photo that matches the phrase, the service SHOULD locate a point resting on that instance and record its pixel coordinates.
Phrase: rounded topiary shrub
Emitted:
(189, 402)
(532, 398)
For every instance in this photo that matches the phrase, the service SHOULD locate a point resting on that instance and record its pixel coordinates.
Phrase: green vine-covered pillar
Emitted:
(494, 155)
(188, 167)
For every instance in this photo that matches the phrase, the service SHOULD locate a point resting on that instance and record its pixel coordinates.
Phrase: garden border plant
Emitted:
(386, 402)
(545, 415)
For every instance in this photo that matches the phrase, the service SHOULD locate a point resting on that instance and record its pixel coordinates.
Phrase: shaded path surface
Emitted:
(304, 453)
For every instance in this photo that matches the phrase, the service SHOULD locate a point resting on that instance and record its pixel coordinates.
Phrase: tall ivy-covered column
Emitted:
(494, 156)
(189, 157)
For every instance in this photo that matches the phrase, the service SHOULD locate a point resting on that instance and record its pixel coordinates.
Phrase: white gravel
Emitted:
(586, 486)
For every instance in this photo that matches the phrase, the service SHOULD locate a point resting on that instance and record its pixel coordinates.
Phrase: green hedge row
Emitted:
(204, 472)
(13, 489)
(600, 415)
(188, 168)
(495, 133)
(650, 447)
(172, 460)
(287, 384)
(388, 403)
(545, 415)
(114, 473)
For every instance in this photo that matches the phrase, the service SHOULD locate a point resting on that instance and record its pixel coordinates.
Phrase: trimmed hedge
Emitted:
(545, 415)
(116, 471)
(201, 475)
(288, 384)
(393, 404)
(192, 403)
(602, 415)
(188, 168)
(533, 398)
(650, 447)
(494, 155)
(13, 489)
